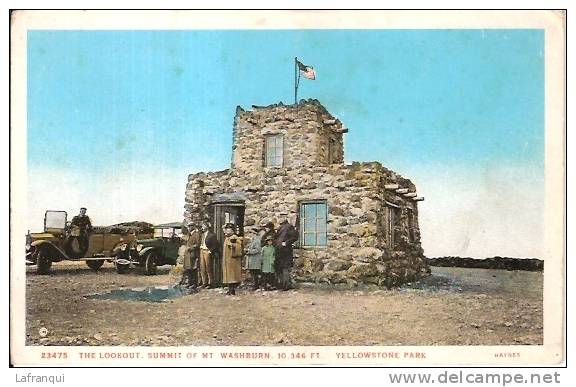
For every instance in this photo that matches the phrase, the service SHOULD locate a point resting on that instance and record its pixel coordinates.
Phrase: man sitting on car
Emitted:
(82, 221)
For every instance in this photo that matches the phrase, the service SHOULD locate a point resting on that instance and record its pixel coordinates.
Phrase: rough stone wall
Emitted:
(372, 229)
(310, 135)
(358, 249)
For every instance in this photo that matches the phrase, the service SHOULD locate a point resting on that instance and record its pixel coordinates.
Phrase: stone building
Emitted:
(357, 222)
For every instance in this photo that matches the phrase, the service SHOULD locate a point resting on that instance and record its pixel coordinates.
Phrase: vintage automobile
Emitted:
(147, 254)
(60, 241)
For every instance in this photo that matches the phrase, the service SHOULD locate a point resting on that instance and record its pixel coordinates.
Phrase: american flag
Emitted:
(306, 71)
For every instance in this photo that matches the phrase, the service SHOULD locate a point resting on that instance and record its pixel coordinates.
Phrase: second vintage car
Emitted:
(148, 254)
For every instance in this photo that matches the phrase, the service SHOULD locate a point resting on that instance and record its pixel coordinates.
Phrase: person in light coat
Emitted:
(231, 259)
(208, 250)
(254, 256)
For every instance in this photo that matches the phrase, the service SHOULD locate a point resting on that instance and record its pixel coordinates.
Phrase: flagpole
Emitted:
(295, 80)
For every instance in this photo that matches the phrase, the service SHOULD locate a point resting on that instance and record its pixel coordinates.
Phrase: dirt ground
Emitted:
(454, 306)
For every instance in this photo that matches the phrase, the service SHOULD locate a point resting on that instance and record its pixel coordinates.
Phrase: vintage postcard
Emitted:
(254, 188)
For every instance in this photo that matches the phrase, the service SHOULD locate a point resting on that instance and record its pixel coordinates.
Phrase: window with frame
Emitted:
(274, 150)
(313, 221)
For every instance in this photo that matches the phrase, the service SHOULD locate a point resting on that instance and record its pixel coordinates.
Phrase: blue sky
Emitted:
(453, 103)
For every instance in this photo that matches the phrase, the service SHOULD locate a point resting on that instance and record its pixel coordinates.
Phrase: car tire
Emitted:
(95, 264)
(43, 262)
(150, 263)
(122, 268)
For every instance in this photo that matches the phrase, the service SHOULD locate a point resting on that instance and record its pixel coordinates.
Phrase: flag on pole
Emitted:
(306, 71)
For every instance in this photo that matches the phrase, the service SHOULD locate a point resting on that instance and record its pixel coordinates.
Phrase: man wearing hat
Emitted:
(82, 221)
(208, 249)
(268, 258)
(190, 269)
(285, 237)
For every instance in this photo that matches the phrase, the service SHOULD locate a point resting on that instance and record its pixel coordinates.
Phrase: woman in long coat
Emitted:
(231, 259)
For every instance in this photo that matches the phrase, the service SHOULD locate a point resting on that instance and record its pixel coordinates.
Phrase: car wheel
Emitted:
(95, 264)
(43, 262)
(150, 263)
(122, 268)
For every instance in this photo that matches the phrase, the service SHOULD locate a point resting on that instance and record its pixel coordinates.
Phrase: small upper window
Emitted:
(274, 150)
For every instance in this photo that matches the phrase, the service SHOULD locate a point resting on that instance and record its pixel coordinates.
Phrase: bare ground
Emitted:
(454, 306)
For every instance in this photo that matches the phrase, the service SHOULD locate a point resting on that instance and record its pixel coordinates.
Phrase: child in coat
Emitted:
(268, 258)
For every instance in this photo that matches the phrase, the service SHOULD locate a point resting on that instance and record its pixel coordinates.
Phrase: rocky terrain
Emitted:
(453, 306)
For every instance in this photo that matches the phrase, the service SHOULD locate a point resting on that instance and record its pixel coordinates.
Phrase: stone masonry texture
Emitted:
(372, 218)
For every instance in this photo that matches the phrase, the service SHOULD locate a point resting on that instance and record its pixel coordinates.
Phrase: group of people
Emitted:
(267, 257)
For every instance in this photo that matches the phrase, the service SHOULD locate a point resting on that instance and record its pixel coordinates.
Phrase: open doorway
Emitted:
(222, 213)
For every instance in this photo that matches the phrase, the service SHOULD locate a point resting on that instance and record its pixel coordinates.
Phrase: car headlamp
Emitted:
(139, 247)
